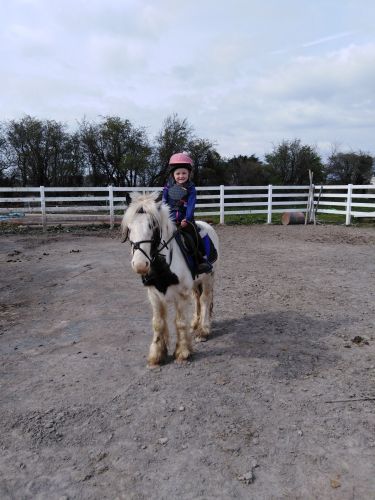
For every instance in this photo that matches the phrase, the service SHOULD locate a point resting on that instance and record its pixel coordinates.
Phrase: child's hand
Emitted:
(184, 223)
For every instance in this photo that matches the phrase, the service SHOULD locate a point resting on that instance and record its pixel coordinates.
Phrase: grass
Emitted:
(230, 220)
(248, 219)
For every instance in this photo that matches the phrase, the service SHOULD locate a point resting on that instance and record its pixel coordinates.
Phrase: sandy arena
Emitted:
(278, 404)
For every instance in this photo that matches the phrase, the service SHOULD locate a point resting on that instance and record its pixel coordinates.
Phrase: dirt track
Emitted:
(272, 406)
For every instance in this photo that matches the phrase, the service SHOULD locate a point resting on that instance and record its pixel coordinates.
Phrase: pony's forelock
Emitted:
(148, 204)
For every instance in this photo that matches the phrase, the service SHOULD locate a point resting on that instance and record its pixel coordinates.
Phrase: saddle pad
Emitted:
(190, 261)
(185, 247)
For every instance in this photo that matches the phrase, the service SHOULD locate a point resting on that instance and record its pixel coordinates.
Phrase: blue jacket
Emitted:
(181, 199)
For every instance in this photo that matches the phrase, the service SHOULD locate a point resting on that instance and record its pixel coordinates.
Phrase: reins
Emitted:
(165, 243)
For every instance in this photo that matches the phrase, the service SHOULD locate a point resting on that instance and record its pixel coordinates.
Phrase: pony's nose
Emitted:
(141, 267)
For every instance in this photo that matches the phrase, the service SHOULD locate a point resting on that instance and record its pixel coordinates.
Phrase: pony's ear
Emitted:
(159, 198)
(124, 231)
(128, 198)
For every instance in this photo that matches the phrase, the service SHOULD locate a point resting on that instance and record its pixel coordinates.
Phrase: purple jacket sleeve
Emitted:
(165, 194)
(191, 203)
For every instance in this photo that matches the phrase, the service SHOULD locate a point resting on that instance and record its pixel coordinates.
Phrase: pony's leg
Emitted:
(197, 291)
(183, 345)
(206, 306)
(159, 345)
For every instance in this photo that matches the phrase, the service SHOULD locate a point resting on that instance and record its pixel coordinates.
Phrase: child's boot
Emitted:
(204, 266)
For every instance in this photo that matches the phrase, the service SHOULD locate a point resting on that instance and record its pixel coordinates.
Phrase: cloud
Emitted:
(331, 76)
(241, 76)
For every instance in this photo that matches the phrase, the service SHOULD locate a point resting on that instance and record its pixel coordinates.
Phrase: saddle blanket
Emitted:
(186, 246)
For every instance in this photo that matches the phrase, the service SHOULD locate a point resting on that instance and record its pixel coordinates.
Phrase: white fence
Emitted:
(57, 205)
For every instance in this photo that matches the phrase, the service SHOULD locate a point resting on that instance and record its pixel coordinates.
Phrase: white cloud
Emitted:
(246, 75)
(325, 77)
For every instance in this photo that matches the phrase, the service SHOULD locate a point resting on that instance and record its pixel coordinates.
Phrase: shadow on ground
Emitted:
(292, 339)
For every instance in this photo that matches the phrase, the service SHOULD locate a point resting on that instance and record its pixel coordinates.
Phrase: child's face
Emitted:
(181, 175)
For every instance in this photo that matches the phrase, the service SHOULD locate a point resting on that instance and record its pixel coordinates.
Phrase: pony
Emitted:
(158, 259)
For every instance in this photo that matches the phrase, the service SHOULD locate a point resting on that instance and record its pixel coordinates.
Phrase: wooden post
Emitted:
(317, 203)
(349, 204)
(269, 205)
(43, 207)
(222, 204)
(111, 207)
(310, 212)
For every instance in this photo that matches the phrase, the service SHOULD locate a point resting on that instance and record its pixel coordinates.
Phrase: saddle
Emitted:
(189, 249)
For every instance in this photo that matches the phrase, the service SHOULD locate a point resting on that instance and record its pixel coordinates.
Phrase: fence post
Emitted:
(349, 204)
(111, 207)
(222, 205)
(43, 207)
(269, 205)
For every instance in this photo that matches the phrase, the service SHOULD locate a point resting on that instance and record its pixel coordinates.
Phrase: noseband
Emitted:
(155, 242)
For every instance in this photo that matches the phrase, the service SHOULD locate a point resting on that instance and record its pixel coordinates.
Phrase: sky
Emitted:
(246, 74)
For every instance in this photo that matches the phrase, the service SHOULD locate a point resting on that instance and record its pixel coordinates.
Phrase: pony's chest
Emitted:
(160, 276)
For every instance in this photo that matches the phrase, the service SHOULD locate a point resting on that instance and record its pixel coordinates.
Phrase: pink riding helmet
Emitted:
(178, 160)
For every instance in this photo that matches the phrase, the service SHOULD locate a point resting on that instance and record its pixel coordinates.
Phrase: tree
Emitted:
(71, 167)
(40, 153)
(290, 162)
(213, 170)
(203, 155)
(174, 137)
(349, 168)
(116, 152)
(245, 170)
(25, 141)
(4, 174)
(177, 136)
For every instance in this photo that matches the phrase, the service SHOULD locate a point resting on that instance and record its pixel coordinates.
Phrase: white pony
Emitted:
(157, 257)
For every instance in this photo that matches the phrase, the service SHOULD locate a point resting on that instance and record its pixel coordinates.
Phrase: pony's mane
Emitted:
(147, 204)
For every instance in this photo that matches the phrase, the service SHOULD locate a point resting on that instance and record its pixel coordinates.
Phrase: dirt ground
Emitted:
(278, 404)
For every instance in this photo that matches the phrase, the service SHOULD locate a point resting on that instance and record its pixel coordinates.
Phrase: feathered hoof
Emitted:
(153, 366)
(201, 338)
(156, 357)
(182, 354)
(202, 334)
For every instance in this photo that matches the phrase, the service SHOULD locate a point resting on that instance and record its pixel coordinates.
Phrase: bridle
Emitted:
(155, 241)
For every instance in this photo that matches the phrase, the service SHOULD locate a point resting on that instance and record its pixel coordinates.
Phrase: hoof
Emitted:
(157, 356)
(202, 335)
(153, 366)
(181, 362)
(200, 338)
(182, 355)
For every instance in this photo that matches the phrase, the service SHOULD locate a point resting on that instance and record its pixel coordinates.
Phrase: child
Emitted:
(180, 194)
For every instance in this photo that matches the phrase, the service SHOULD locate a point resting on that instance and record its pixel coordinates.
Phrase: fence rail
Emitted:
(54, 205)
